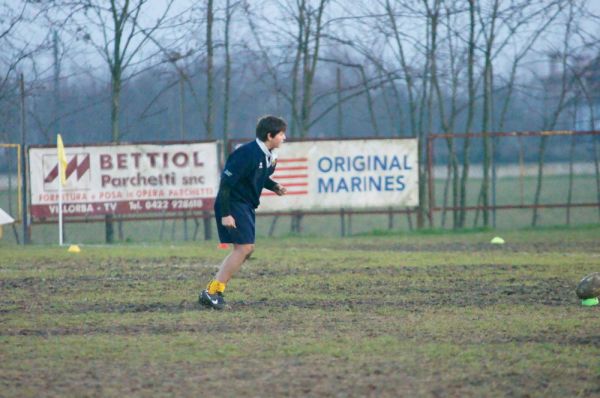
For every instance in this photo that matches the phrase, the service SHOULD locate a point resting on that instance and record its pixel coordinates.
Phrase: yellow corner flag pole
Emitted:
(62, 180)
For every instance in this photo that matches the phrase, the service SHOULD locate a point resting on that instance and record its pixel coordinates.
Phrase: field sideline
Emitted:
(394, 315)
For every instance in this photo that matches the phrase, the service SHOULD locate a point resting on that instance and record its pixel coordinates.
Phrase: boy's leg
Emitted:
(212, 296)
(244, 216)
(233, 262)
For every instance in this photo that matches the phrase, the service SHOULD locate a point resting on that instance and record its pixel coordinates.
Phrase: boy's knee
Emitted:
(246, 250)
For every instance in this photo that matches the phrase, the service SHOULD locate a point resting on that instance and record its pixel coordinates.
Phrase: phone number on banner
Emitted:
(122, 207)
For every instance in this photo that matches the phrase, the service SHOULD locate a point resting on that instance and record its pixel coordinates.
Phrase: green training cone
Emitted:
(590, 302)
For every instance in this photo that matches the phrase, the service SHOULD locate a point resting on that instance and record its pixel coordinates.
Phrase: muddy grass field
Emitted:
(414, 315)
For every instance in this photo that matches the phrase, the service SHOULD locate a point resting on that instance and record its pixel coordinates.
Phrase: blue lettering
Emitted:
(342, 185)
(323, 169)
(389, 183)
(325, 186)
(395, 163)
(356, 184)
(359, 163)
(401, 184)
(406, 166)
(362, 184)
(339, 164)
(375, 183)
(382, 163)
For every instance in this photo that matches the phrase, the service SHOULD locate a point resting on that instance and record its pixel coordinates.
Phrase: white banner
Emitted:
(350, 174)
(125, 179)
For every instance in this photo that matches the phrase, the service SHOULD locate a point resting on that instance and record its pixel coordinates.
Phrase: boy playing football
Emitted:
(247, 171)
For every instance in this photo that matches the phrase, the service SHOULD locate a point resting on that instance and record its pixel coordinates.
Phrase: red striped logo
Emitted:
(80, 167)
(292, 173)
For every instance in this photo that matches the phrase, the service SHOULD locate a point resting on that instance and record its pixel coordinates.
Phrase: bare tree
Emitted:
(14, 47)
(307, 41)
(209, 69)
(117, 32)
(19, 49)
(229, 12)
(511, 19)
(488, 27)
(408, 73)
(563, 91)
(470, 111)
(448, 119)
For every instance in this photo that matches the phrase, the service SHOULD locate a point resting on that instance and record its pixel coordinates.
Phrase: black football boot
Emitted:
(215, 301)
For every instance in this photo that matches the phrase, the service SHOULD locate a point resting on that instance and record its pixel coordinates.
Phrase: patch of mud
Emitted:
(441, 290)
(134, 307)
(121, 330)
(62, 282)
(391, 270)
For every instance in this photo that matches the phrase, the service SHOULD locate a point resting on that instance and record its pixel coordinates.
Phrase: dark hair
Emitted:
(269, 125)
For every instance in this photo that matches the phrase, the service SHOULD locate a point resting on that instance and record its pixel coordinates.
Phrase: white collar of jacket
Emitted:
(270, 156)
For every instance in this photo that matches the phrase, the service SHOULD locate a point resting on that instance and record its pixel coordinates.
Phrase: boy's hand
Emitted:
(280, 190)
(228, 222)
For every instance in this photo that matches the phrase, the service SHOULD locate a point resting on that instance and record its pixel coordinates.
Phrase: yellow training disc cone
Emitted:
(497, 241)
(74, 249)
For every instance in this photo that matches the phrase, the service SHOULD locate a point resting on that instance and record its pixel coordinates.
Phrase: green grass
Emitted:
(394, 315)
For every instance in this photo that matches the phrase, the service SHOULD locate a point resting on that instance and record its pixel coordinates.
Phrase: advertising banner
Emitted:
(350, 174)
(125, 179)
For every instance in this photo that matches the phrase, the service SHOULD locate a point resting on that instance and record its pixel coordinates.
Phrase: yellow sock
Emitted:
(215, 286)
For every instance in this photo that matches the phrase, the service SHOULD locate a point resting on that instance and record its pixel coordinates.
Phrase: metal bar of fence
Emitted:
(515, 134)
(515, 207)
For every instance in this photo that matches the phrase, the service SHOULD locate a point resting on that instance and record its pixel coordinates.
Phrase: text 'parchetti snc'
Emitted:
(147, 164)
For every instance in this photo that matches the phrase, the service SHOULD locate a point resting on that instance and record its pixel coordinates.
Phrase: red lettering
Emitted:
(180, 159)
(121, 160)
(197, 161)
(105, 180)
(136, 159)
(152, 156)
(105, 162)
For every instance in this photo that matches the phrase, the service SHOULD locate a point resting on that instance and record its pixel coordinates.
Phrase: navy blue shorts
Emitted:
(245, 221)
